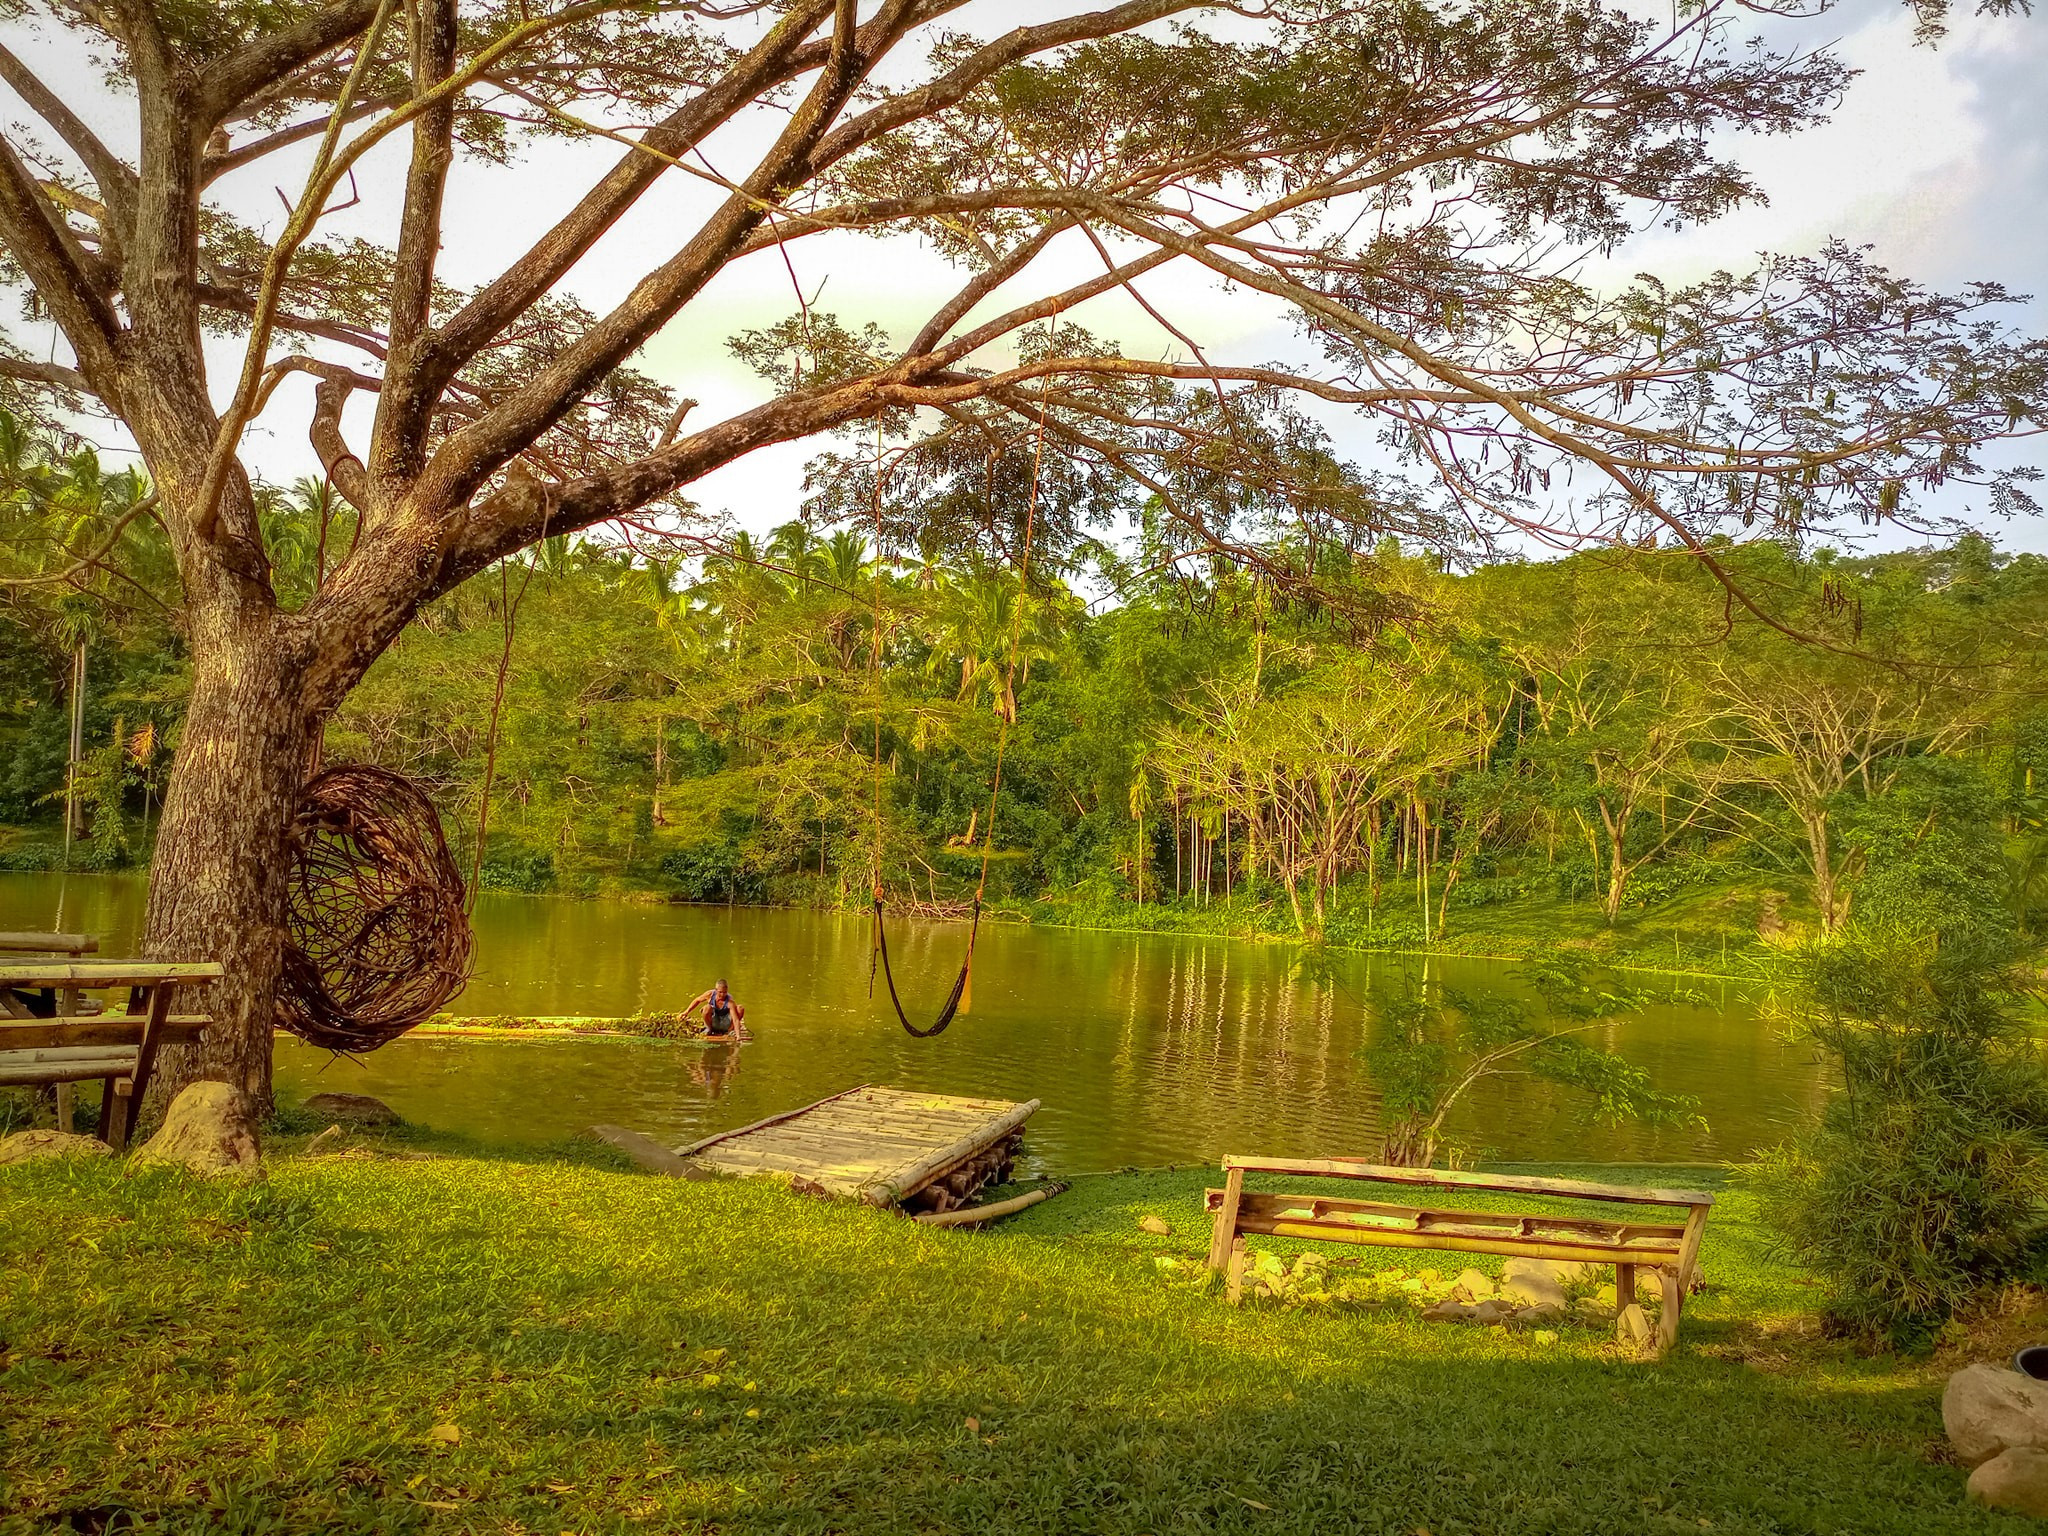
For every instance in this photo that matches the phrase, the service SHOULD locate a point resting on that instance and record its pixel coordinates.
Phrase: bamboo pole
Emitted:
(974, 1215)
(77, 749)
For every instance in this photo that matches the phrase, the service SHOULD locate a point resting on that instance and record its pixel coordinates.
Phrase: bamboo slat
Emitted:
(48, 943)
(34, 1067)
(100, 1029)
(106, 973)
(696, 1147)
(1345, 1168)
(881, 1144)
(974, 1215)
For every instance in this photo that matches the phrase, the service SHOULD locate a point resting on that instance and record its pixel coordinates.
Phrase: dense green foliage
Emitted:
(1924, 1186)
(621, 1353)
(1393, 759)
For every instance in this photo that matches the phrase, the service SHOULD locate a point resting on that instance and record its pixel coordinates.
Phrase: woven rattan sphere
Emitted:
(378, 936)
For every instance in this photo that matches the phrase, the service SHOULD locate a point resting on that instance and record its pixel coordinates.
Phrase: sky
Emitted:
(1937, 158)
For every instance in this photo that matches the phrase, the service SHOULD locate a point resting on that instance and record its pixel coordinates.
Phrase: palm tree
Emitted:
(798, 552)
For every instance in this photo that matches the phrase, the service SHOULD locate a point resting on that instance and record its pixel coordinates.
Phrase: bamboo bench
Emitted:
(1671, 1248)
(45, 1038)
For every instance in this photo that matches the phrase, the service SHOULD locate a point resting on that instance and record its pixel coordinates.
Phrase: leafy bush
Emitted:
(1657, 883)
(1575, 879)
(1492, 890)
(715, 869)
(529, 872)
(30, 858)
(1924, 1184)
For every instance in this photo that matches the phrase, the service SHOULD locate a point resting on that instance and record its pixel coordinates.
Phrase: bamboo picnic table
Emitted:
(46, 1037)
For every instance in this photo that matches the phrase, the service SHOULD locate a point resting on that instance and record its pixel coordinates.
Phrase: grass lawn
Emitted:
(457, 1342)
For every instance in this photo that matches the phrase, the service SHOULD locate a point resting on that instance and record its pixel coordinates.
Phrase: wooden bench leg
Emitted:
(64, 1096)
(1624, 1287)
(117, 1114)
(106, 1109)
(1240, 1261)
(124, 1095)
(1674, 1303)
(1226, 1219)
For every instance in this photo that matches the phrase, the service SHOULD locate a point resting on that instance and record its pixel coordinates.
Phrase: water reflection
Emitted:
(1145, 1049)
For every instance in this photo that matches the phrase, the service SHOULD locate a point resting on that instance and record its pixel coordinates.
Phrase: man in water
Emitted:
(723, 1018)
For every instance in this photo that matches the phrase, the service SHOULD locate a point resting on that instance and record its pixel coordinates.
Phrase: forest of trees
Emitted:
(1418, 742)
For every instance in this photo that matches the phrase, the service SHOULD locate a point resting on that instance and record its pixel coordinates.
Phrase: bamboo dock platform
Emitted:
(886, 1146)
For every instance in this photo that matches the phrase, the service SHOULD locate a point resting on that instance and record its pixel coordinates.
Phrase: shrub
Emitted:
(712, 870)
(529, 872)
(1658, 883)
(1924, 1184)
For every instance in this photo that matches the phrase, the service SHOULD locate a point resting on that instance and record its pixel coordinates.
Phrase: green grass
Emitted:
(624, 1353)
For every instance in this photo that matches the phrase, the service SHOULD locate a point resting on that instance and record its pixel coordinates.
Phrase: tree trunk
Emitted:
(219, 876)
(1826, 897)
(1617, 877)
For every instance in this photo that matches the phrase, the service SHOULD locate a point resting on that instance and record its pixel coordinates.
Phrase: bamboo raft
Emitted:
(921, 1152)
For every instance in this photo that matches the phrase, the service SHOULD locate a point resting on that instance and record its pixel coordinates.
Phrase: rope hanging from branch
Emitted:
(958, 999)
(377, 935)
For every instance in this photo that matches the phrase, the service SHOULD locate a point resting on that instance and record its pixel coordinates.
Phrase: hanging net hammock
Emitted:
(1006, 709)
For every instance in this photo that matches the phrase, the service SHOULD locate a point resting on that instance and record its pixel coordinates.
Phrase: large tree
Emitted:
(1413, 183)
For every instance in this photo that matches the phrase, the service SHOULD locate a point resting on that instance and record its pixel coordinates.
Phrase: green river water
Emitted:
(1144, 1049)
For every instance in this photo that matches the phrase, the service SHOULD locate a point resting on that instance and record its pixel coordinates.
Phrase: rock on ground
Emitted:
(206, 1131)
(1563, 1271)
(1448, 1312)
(1535, 1282)
(1987, 1409)
(1471, 1285)
(1495, 1309)
(1543, 1315)
(28, 1146)
(357, 1107)
(2014, 1479)
(1155, 1225)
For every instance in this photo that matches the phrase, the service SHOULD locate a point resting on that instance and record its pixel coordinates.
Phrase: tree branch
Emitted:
(61, 274)
(217, 166)
(270, 57)
(146, 505)
(404, 409)
(471, 455)
(227, 440)
(55, 375)
(110, 173)
(543, 264)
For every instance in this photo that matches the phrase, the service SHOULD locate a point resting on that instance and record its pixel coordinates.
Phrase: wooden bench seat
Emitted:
(47, 1037)
(1671, 1248)
(73, 944)
(66, 1064)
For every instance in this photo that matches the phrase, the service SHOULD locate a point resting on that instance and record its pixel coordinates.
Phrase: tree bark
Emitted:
(1826, 896)
(219, 878)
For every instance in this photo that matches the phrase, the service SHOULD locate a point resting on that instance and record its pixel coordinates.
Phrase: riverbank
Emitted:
(1728, 927)
(418, 1335)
